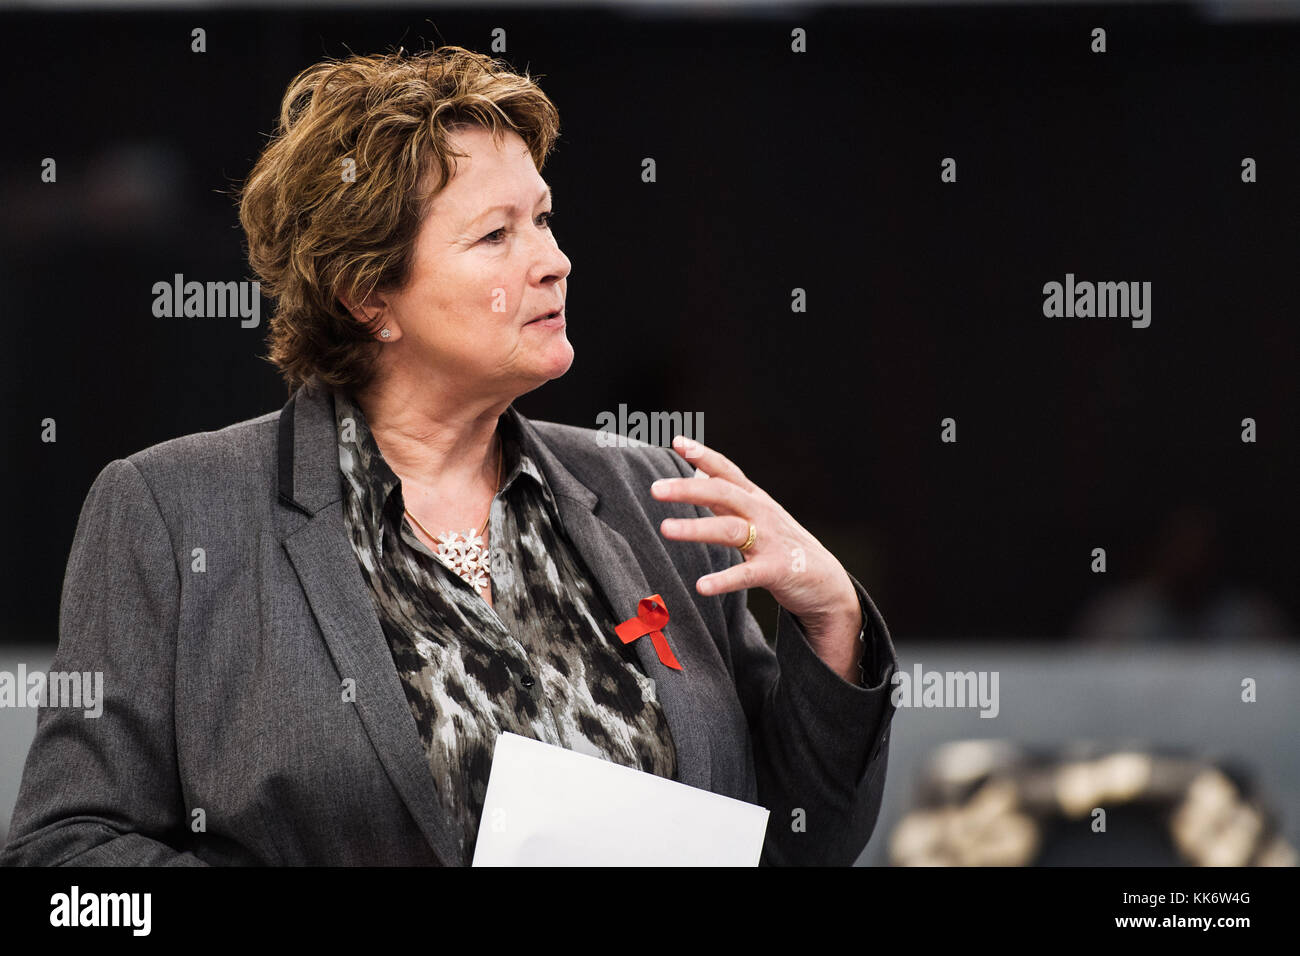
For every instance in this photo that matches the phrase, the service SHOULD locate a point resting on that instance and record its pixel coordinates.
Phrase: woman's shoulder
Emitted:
(213, 466)
(235, 446)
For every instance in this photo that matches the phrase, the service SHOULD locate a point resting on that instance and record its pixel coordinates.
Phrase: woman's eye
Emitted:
(545, 219)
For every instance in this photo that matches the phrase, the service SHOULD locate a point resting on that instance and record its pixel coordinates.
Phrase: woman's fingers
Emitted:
(738, 577)
(712, 462)
(723, 497)
(730, 531)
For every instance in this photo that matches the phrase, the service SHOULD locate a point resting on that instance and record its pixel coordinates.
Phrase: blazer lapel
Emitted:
(599, 530)
(316, 541)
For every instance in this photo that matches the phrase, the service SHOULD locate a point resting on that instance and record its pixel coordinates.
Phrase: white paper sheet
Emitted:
(547, 806)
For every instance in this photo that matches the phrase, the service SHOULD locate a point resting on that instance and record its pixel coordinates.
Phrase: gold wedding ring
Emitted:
(749, 542)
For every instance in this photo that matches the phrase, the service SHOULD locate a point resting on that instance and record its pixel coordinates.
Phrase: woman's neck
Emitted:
(433, 443)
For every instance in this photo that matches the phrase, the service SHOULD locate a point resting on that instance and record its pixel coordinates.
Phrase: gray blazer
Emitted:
(225, 737)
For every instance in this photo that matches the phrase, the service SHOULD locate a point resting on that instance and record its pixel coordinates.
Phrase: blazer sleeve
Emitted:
(105, 791)
(821, 744)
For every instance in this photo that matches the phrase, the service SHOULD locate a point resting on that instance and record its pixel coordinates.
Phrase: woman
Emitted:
(313, 625)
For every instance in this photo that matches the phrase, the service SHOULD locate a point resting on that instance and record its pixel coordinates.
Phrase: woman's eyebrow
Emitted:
(511, 207)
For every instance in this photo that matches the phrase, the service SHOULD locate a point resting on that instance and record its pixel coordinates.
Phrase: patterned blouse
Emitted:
(542, 661)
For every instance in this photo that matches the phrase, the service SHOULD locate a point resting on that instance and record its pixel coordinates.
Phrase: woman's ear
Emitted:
(373, 314)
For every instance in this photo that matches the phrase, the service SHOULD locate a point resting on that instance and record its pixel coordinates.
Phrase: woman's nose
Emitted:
(553, 262)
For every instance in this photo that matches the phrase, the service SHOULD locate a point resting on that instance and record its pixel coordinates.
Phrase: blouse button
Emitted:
(526, 680)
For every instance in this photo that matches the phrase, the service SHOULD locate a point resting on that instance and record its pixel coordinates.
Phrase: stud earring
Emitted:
(386, 334)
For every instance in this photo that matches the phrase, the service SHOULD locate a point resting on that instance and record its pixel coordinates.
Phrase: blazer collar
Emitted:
(315, 538)
(307, 454)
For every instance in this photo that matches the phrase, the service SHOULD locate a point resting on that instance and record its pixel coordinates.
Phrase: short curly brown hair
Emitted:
(315, 234)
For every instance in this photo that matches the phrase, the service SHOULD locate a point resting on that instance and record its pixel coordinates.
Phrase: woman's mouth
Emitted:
(552, 320)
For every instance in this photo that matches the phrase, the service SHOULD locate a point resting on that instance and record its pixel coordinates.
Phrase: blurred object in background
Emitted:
(1181, 594)
(991, 803)
(129, 189)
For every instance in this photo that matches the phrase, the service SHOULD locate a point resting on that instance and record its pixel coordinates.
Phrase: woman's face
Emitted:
(482, 273)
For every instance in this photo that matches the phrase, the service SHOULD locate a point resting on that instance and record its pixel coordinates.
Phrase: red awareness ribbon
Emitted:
(651, 615)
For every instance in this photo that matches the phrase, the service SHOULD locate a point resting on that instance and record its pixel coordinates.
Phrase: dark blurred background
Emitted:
(775, 170)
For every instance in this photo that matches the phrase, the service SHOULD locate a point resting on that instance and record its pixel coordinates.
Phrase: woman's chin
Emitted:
(548, 366)
(557, 358)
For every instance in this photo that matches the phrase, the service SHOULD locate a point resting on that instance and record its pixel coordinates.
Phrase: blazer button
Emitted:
(526, 680)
